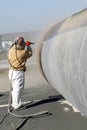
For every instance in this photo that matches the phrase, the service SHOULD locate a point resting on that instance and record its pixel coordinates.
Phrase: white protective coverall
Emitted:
(17, 79)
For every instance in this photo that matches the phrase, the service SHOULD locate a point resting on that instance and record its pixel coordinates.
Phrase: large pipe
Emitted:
(62, 58)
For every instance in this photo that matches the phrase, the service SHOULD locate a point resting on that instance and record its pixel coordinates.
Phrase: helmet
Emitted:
(20, 42)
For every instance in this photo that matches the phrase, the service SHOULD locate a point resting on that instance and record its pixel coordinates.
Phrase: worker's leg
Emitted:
(16, 99)
(18, 79)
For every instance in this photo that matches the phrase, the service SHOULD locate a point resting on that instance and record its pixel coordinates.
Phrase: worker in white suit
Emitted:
(17, 57)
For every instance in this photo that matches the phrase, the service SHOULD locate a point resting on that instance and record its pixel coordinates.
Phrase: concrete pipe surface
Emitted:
(62, 58)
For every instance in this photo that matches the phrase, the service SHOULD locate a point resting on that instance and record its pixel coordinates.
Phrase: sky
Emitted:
(35, 15)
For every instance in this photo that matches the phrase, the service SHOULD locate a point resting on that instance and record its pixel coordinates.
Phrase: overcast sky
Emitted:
(33, 15)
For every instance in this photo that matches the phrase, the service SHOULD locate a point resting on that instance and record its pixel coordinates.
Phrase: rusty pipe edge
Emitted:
(39, 48)
(62, 58)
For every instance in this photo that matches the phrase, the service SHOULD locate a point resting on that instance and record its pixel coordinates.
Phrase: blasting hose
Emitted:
(34, 103)
(26, 117)
(23, 116)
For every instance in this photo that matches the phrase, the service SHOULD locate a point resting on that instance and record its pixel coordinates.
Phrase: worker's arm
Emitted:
(28, 51)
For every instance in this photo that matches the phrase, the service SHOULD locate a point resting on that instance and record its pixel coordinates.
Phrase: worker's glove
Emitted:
(27, 46)
(28, 43)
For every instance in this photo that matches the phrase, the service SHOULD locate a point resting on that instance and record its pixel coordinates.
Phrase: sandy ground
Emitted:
(62, 115)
